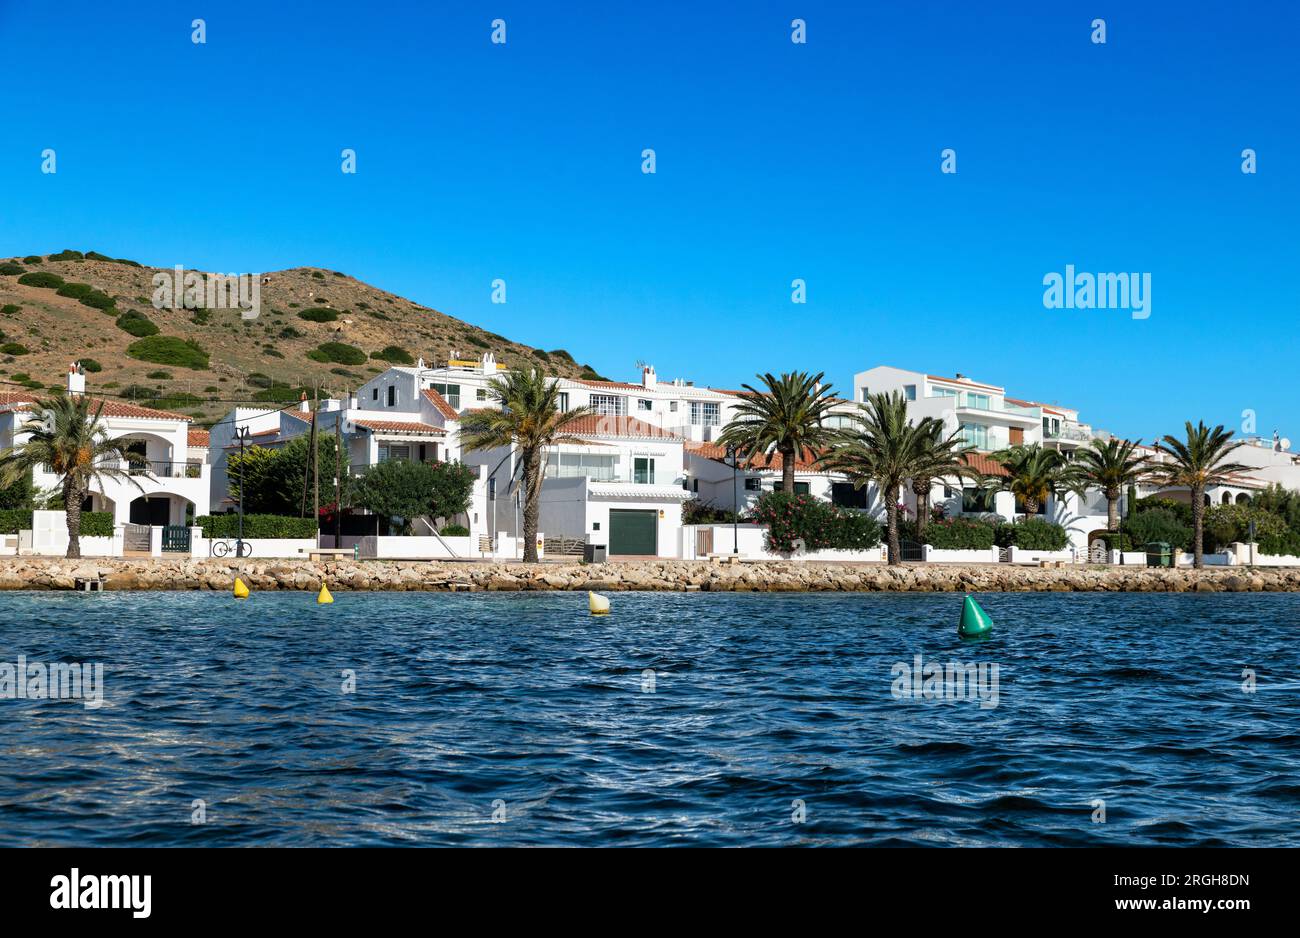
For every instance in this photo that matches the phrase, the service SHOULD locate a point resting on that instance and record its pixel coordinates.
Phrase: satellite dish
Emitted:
(1286, 444)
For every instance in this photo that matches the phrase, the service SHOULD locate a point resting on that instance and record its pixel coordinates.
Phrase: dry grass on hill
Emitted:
(265, 359)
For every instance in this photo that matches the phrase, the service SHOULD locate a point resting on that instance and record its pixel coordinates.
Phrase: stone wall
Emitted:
(775, 576)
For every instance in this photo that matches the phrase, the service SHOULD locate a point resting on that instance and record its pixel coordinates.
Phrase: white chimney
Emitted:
(303, 405)
(76, 379)
(419, 363)
(489, 363)
(648, 377)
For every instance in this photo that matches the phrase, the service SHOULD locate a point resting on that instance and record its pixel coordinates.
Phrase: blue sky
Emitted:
(775, 161)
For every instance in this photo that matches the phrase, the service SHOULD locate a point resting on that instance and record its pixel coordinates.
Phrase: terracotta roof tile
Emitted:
(983, 462)
(400, 426)
(441, 404)
(621, 385)
(199, 438)
(17, 401)
(805, 462)
(623, 427)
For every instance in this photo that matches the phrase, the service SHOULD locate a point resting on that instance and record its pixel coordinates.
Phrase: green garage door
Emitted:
(633, 532)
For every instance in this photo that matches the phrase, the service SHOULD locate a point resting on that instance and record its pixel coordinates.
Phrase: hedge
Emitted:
(1285, 545)
(256, 526)
(13, 520)
(959, 534)
(454, 530)
(93, 523)
(1032, 534)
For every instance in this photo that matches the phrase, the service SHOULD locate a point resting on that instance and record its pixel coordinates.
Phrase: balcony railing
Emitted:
(1069, 433)
(159, 469)
(620, 475)
(966, 401)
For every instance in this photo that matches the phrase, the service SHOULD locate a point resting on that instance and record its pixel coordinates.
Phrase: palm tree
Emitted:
(786, 418)
(1197, 462)
(942, 458)
(530, 420)
(1110, 466)
(1033, 474)
(887, 449)
(66, 439)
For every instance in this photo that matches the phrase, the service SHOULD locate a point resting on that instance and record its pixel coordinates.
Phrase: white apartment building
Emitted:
(167, 485)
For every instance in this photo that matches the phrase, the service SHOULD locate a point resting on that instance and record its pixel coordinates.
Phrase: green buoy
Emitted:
(974, 620)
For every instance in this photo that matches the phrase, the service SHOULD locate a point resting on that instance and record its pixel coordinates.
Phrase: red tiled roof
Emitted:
(805, 462)
(199, 438)
(440, 403)
(400, 426)
(984, 463)
(602, 425)
(10, 400)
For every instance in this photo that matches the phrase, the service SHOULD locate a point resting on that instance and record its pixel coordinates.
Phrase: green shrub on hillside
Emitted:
(394, 354)
(169, 350)
(67, 255)
(96, 256)
(318, 314)
(139, 392)
(136, 324)
(280, 394)
(13, 348)
(41, 278)
(159, 375)
(338, 353)
(97, 299)
(256, 379)
(10, 308)
(91, 366)
(9, 269)
(77, 290)
(33, 259)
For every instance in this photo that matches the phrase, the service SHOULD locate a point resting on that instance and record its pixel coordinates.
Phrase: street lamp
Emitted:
(734, 458)
(242, 433)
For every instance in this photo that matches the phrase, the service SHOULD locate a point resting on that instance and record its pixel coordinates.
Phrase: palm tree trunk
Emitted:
(72, 513)
(1031, 506)
(1198, 524)
(787, 471)
(531, 488)
(1112, 510)
(922, 494)
(891, 519)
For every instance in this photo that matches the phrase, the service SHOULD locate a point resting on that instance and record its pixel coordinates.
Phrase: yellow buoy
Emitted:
(241, 591)
(599, 605)
(324, 595)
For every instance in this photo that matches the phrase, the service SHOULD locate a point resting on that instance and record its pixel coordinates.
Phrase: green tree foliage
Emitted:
(272, 479)
(402, 491)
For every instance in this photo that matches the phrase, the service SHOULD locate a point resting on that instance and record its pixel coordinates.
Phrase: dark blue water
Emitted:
(760, 704)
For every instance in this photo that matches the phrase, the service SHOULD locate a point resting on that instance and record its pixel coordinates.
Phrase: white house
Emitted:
(168, 486)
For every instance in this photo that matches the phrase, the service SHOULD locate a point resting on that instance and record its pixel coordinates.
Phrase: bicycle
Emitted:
(226, 547)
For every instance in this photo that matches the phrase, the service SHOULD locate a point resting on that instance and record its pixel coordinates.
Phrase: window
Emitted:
(909, 391)
(1051, 426)
(451, 392)
(480, 394)
(672, 406)
(389, 451)
(595, 525)
(846, 495)
(392, 395)
(704, 413)
(944, 392)
(695, 485)
(975, 500)
(949, 492)
(800, 488)
(643, 404)
(975, 434)
(978, 401)
(562, 401)
(374, 393)
(864, 394)
(754, 484)
(839, 422)
(600, 467)
(609, 405)
(643, 470)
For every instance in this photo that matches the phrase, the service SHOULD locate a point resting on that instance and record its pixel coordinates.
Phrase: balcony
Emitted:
(985, 404)
(1069, 432)
(615, 474)
(158, 469)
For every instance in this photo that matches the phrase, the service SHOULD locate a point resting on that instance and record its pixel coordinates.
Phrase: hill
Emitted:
(315, 327)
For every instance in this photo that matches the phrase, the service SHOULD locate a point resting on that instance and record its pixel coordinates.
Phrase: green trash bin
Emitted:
(1159, 554)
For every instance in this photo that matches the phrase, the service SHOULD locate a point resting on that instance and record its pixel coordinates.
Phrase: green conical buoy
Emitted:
(974, 620)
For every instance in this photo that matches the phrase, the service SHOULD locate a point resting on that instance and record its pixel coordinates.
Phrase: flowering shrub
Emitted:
(819, 524)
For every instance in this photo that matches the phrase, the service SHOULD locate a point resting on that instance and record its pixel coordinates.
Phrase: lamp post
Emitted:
(733, 458)
(242, 433)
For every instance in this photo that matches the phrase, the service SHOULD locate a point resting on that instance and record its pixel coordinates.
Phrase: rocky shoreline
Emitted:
(48, 573)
